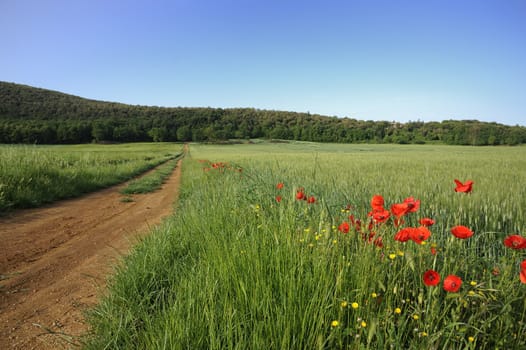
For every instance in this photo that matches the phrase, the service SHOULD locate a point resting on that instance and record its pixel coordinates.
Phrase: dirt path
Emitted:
(54, 261)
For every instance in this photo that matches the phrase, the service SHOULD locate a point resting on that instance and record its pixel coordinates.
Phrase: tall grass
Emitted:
(235, 269)
(33, 175)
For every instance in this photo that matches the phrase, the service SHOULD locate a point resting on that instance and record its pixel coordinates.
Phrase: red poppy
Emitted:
(427, 222)
(412, 204)
(431, 278)
(403, 235)
(464, 187)
(420, 234)
(381, 216)
(300, 195)
(515, 242)
(311, 200)
(399, 209)
(279, 186)
(278, 199)
(344, 227)
(452, 283)
(433, 251)
(377, 203)
(522, 274)
(461, 232)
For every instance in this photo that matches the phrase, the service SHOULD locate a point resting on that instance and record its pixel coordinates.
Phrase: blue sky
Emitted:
(370, 59)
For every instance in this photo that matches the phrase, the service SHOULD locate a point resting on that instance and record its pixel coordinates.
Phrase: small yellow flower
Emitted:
(334, 241)
(307, 230)
(471, 339)
(335, 323)
(344, 304)
(397, 310)
(354, 305)
(423, 243)
(392, 256)
(473, 283)
(363, 324)
(416, 317)
(423, 334)
(311, 245)
(374, 295)
(400, 253)
(471, 293)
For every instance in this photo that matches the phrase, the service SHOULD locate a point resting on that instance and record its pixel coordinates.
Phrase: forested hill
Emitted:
(34, 115)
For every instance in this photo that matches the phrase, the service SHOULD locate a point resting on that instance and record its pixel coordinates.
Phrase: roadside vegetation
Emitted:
(33, 175)
(323, 246)
(153, 181)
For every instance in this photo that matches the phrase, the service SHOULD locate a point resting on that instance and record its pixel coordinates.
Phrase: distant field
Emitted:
(33, 175)
(245, 264)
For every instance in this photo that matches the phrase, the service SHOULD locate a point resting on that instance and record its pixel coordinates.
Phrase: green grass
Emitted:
(235, 269)
(153, 181)
(33, 175)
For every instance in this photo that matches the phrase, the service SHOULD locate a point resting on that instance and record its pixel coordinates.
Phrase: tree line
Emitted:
(33, 115)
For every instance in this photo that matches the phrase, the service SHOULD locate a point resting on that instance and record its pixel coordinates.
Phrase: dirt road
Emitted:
(54, 261)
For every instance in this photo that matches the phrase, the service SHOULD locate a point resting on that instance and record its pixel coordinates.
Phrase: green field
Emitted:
(236, 269)
(33, 175)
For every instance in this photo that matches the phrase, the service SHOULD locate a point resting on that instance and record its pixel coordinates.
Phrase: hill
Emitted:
(35, 115)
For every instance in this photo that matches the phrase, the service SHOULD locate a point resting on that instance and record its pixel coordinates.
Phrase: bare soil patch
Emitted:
(54, 261)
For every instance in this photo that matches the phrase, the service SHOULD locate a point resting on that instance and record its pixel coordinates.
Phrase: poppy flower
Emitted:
(403, 235)
(311, 200)
(279, 186)
(522, 274)
(399, 209)
(412, 204)
(461, 232)
(278, 199)
(515, 242)
(452, 283)
(381, 216)
(427, 222)
(420, 234)
(300, 195)
(377, 203)
(431, 278)
(466, 187)
(433, 251)
(344, 227)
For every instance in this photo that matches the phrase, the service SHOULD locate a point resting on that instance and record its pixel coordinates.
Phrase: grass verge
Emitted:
(153, 181)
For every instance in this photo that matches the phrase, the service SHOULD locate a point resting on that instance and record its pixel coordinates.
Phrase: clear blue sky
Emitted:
(370, 59)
